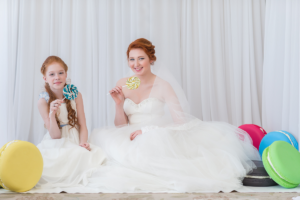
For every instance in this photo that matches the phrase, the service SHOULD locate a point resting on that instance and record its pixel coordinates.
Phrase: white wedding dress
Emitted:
(195, 156)
(66, 164)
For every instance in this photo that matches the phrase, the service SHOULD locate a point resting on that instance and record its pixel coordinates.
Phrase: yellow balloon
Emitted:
(133, 83)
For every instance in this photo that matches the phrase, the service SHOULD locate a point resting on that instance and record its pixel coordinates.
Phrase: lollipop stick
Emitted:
(122, 86)
(52, 111)
(132, 83)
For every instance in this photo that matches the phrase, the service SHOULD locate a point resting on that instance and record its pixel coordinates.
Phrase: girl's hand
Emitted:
(117, 94)
(54, 105)
(135, 133)
(86, 145)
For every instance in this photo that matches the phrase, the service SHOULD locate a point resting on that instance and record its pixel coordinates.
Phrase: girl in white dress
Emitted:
(157, 146)
(68, 159)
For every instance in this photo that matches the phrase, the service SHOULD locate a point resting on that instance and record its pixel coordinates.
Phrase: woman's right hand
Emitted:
(54, 105)
(117, 94)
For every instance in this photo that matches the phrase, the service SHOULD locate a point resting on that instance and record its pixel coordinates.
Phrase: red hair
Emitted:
(145, 45)
(73, 121)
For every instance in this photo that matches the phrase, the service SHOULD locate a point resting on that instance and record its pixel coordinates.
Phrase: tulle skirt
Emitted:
(194, 157)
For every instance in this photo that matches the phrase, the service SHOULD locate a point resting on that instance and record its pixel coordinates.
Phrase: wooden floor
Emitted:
(196, 196)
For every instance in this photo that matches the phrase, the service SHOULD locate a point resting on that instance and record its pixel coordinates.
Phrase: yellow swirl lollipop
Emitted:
(133, 83)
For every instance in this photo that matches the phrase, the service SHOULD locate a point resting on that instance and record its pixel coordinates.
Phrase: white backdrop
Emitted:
(214, 48)
(281, 85)
(4, 72)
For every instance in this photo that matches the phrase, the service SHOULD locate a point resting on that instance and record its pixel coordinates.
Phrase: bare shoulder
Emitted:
(122, 81)
(42, 104)
(79, 98)
(162, 83)
(164, 88)
(79, 95)
(43, 109)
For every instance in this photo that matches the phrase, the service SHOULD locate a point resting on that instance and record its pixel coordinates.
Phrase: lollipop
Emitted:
(70, 92)
(132, 83)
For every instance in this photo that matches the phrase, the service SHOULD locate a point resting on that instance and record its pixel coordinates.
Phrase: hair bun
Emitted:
(144, 44)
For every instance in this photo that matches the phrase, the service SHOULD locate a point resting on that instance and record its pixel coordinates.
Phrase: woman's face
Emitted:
(56, 76)
(139, 62)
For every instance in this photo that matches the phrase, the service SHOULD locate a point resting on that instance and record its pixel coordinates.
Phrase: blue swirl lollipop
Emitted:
(70, 92)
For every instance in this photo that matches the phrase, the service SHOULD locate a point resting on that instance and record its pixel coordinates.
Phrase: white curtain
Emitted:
(4, 136)
(222, 58)
(281, 85)
(213, 47)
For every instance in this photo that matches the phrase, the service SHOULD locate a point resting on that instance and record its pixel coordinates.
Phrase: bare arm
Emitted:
(50, 121)
(83, 132)
(119, 98)
(121, 118)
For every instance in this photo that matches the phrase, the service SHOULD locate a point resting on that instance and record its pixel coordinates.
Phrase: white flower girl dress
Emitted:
(66, 164)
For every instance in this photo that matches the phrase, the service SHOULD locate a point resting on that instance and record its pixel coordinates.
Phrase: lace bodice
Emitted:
(146, 110)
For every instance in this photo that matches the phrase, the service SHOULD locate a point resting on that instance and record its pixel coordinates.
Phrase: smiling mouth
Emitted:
(138, 69)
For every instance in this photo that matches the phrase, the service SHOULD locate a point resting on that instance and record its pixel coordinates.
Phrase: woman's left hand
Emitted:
(135, 133)
(86, 145)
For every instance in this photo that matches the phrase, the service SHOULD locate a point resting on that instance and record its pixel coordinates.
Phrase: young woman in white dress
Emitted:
(68, 159)
(157, 146)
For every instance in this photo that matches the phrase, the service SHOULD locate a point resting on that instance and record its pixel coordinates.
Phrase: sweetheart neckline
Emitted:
(142, 100)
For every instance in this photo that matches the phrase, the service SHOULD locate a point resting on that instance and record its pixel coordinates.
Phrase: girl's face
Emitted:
(139, 62)
(55, 76)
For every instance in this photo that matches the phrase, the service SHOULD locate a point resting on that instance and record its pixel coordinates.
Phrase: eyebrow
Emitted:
(138, 57)
(58, 71)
